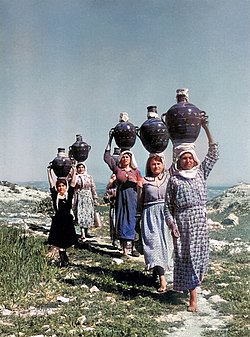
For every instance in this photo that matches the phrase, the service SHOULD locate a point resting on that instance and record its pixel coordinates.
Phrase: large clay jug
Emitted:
(183, 119)
(153, 133)
(124, 133)
(79, 151)
(61, 164)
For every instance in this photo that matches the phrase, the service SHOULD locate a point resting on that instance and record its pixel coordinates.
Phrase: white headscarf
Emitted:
(179, 150)
(133, 163)
(81, 177)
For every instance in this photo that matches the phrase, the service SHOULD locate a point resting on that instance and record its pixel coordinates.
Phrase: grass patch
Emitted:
(229, 277)
(125, 305)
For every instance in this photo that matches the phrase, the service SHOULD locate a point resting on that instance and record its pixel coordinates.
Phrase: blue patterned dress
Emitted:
(185, 206)
(156, 236)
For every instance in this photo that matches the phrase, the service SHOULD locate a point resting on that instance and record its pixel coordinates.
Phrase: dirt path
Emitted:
(186, 324)
(195, 324)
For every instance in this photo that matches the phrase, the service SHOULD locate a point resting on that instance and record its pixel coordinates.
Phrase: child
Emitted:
(62, 233)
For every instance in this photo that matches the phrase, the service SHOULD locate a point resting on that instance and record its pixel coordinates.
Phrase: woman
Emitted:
(156, 236)
(62, 233)
(185, 213)
(109, 197)
(127, 177)
(85, 200)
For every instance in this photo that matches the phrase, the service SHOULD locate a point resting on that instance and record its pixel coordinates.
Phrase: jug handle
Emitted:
(111, 133)
(164, 114)
(70, 153)
(137, 130)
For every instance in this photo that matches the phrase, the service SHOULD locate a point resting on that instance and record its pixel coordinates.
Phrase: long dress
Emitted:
(186, 207)
(62, 231)
(126, 198)
(156, 236)
(110, 196)
(85, 199)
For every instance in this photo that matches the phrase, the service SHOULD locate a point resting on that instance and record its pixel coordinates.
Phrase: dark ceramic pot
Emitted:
(79, 150)
(183, 121)
(125, 135)
(153, 133)
(61, 164)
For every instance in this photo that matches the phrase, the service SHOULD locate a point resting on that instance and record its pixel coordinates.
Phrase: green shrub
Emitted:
(22, 263)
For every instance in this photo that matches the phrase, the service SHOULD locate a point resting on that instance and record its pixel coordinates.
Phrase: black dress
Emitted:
(62, 231)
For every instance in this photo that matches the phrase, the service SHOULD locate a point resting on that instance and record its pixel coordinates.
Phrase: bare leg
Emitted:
(125, 249)
(82, 233)
(134, 251)
(193, 300)
(53, 252)
(163, 284)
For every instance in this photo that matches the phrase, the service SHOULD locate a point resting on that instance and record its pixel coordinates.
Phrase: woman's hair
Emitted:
(61, 181)
(148, 164)
(126, 153)
(80, 164)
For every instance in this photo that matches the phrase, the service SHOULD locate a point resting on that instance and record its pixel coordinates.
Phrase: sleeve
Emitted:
(169, 206)
(53, 193)
(139, 178)
(211, 158)
(110, 161)
(140, 200)
(71, 191)
(93, 190)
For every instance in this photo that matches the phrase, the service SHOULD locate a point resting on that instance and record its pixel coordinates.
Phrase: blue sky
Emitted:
(71, 67)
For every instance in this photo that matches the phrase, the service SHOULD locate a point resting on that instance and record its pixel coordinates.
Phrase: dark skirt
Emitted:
(126, 205)
(62, 231)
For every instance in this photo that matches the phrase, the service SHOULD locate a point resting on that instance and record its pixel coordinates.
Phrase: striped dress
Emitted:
(185, 206)
(156, 236)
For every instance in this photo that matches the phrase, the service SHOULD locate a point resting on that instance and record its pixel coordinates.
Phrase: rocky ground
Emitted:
(22, 206)
(229, 213)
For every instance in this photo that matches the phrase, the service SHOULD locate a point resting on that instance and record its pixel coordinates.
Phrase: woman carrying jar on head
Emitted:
(85, 200)
(185, 213)
(156, 236)
(62, 233)
(127, 177)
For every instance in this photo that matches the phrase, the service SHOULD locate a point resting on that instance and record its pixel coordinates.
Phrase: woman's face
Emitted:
(125, 160)
(80, 169)
(61, 188)
(156, 167)
(187, 161)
